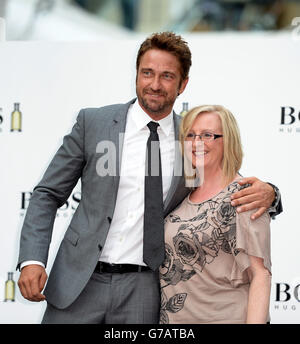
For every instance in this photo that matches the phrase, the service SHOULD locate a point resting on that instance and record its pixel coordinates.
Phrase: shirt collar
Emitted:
(140, 118)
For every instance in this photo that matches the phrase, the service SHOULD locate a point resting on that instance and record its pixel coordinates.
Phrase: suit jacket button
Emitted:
(109, 219)
(100, 247)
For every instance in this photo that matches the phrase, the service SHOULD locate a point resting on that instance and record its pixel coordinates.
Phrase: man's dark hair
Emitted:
(171, 43)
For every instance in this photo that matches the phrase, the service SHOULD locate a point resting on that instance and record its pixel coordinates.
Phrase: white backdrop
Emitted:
(255, 76)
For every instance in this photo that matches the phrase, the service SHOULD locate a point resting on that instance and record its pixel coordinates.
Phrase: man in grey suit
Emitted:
(99, 274)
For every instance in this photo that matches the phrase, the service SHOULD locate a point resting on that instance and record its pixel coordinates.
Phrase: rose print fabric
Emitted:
(203, 278)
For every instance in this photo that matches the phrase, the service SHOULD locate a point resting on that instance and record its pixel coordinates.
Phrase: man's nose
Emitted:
(155, 84)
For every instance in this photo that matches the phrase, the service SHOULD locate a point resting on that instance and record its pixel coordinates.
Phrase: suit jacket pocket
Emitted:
(72, 236)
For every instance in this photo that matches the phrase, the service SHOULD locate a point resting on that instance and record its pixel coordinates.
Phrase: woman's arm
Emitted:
(259, 293)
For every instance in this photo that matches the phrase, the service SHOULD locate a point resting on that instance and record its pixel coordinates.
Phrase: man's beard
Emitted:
(155, 108)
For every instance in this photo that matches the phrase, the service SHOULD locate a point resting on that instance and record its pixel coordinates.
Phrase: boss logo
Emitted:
(289, 119)
(286, 297)
(68, 207)
(284, 292)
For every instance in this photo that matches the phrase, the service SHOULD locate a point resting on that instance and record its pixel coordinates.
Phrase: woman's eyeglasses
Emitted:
(203, 137)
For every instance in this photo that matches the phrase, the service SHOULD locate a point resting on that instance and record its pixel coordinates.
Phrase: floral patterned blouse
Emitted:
(203, 278)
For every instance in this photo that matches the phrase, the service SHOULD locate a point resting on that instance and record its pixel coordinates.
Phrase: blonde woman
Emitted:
(217, 267)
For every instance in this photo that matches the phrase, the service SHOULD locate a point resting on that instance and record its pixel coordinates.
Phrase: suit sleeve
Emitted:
(276, 207)
(51, 193)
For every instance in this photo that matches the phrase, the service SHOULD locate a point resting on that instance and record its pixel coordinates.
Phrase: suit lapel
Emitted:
(116, 133)
(178, 163)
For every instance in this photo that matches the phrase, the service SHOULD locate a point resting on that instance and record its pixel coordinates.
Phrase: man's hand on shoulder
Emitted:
(32, 281)
(258, 195)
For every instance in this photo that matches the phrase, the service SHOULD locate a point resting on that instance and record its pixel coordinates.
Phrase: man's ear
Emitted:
(183, 85)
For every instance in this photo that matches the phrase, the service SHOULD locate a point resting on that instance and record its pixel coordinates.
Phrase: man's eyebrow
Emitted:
(163, 72)
(169, 72)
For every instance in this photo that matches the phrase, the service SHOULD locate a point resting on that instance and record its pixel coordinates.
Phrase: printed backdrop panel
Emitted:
(254, 76)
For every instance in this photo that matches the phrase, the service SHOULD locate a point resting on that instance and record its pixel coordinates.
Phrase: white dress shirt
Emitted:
(124, 242)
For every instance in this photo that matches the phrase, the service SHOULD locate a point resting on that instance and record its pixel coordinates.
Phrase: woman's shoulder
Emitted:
(234, 186)
(230, 189)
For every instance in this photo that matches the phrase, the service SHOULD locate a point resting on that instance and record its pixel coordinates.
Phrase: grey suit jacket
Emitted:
(85, 237)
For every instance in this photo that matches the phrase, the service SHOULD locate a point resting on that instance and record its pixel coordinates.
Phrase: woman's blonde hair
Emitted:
(232, 147)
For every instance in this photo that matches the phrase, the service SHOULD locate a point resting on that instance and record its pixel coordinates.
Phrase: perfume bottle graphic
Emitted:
(185, 108)
(10, 288)
(16, 118)
(1, 118)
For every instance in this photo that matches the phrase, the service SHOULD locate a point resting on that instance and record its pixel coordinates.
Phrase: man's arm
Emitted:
(51, 193)
(264, 196)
